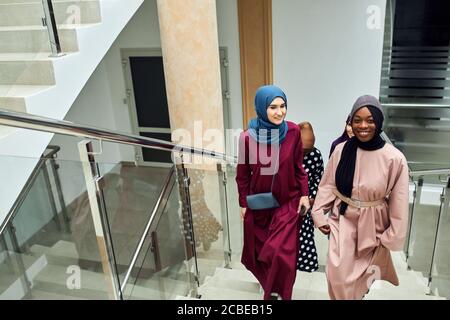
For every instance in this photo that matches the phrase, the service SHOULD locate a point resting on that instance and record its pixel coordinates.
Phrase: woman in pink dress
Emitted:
(365, 189)
(270, 160)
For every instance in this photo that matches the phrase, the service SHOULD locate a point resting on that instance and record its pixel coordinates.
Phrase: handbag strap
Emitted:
(273, 178)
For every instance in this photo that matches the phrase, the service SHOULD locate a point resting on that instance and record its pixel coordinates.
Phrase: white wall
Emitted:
(324, 58)
(102, 102)
(228, 28)
(143, 32)
(92, 108)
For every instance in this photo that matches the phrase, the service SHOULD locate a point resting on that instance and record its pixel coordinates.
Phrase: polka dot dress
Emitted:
(307, 257)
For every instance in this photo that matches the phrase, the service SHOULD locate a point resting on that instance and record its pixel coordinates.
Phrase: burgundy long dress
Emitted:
(271, 236)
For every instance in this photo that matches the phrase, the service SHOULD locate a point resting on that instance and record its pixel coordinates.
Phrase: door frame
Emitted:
(125, 54)
(129, 90)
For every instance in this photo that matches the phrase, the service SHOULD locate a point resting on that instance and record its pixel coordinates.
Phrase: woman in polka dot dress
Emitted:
(313, 164)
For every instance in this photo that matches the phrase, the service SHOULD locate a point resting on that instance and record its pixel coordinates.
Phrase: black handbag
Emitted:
(261, 201)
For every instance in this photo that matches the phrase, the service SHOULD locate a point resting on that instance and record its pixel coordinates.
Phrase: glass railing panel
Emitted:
(440, 283)
(13, 282)
(131, 193)
(424, 223)
(236, 226)
(208, 213)
(162, 266)
(429, 179)
(56, 241)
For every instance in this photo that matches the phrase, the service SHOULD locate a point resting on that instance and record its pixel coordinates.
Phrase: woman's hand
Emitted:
(325, 229)
(304, 202)
(243, 211)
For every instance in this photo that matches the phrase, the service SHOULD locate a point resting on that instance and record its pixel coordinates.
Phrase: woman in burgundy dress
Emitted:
(270, 159)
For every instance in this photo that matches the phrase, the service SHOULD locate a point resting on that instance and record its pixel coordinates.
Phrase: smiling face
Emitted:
(363, 125)
(276, 112)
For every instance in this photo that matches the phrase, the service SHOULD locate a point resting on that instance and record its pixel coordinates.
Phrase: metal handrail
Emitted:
(147, 228)
(30, 182)
(419, 173)
(406, 105)
(386, 138)
(430, 172)
(33, 122)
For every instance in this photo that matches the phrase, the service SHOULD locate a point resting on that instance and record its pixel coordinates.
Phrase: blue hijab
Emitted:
(264, 96)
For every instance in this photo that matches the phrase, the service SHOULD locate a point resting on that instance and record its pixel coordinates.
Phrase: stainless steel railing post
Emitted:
(62, 202)
(415, 205)
(222, 176)
(443, 212)
(50, 22)
(51, 196)
(188, 225)
(98, 212)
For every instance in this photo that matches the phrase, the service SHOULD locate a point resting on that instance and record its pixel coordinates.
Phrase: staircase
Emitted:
(49, 270)
(33, 82)
(238, 283)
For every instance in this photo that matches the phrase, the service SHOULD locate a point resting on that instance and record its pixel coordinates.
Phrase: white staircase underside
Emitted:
(70, 74)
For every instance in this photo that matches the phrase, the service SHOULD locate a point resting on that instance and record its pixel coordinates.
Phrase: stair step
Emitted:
(314, 285)
(13, 104)
(35, 39)
(169, 287)
(212, 254)
(59, 275)
(229, 282)
(8, 275)
(243, 275)
(165, 285)
(19, 91)
(312, 281)
(93, 286)
(28, 56)
(214, 293)
(62, 248)
(397, 294)
(185, 298)
(14, 13)
(43, 295)
(63, 292)
(27, 73)
(315, 281)
(11, 284)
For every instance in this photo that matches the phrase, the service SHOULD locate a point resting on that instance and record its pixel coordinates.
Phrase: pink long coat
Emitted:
(361, 240)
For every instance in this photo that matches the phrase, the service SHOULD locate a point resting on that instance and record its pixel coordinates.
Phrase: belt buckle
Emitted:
(357, 203)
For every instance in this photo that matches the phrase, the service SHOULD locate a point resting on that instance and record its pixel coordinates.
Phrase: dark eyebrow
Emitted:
(276, 105)
(359, 117)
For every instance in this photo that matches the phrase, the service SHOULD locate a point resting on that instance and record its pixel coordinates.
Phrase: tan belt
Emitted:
(358, 203)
